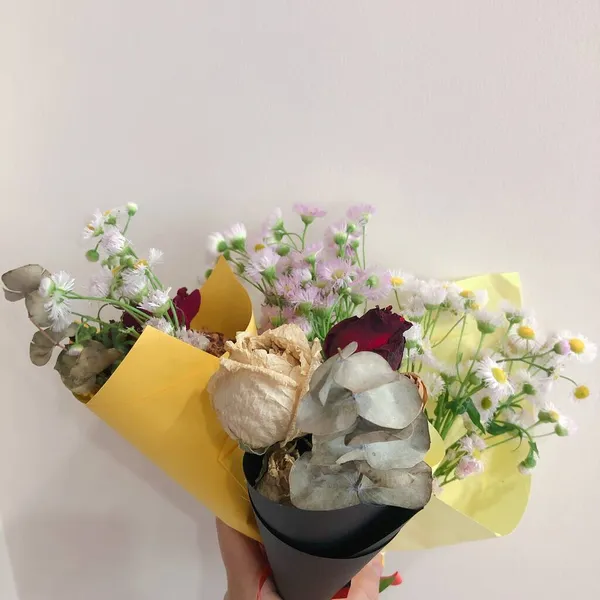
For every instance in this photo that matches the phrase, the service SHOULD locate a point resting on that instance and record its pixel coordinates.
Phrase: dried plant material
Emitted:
(216, 343)
(78, 372)
(363, 371)
(394, 451)
(275, 483)
(44, 342)
(36, 310)
(368, 419)
(394, 404)
(317, 487)
(335, 417)
(406, 488)
(23, 281)
(422, 389)
(257, 389)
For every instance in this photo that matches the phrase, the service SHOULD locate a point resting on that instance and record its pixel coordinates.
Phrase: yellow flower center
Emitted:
(467, 294)
(338, 274)
(525, 332)
(554, 416)
(258, 247)
(474, 306)
(581, 392)
(397, 281)
(577, 346)
(107, 212)
(486, 403)
(90, 227)
(141, 263)
(499, 375)
(115, 270)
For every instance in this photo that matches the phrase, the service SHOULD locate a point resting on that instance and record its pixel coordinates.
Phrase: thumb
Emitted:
(365, 586)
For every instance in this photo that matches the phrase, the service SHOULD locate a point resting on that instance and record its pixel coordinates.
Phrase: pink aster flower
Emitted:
(287, 286)
(469, 466)
(361, 213)
(308, 213)
(337, 234)
(303, 323)
(374, 284)
(262, 264)
(307, 295)
(338, 273)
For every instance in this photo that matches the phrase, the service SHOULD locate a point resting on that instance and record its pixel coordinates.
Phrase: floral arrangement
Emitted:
(313, 285)
(496, 394)
(93, 343)
(477, 399)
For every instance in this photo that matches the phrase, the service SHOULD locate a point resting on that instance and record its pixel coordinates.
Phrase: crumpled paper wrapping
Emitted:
(157, 400)
(257, 390)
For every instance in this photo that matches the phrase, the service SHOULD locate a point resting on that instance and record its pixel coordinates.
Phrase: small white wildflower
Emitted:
(154, 256)
(157, 302)
(565, 426)
(466, 444)
(525, 335)
(488, 322)
(525, 470)
(113, 241)
(217, 244)
(131, 208)
(494, 377)
(434, 383)
(236, 236)
(468, 300)
(530, 385)
(478, 442)
(94, 227)
(414, 309)
(161, 324)
(433, 293)
(581, 347)
(135, 283)
(400, 279)
(486, 404)
(193, 338)
(414, 336)
(100, 284)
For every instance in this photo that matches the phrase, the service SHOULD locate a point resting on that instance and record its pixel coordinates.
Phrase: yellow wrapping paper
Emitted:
(157, 400)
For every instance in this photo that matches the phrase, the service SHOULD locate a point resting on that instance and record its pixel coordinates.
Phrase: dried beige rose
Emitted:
(258, 387)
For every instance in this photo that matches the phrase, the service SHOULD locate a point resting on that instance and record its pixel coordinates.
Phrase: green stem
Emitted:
(462, 385)
(398, 300)
(569, 379)
(449, 331)
(364, 235)
(544, 435)
(304, 235)
(514, 437)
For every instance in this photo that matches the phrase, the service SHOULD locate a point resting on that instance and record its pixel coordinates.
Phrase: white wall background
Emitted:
(473, 125)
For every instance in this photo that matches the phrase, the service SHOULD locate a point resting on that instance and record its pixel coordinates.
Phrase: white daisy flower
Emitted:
(161, 324)
(414, 336)
(530, 385)
(488, 322)
(113, 241)
(58, 306)
(135, 283)
(193, 338)
(217, 244)
(468, 466)
(414, 309)
(513, 313)
(485, 403)
(565, 426)
(94, 227)
(236, 235)
(478, 442)
(494, 377)
(466, 444)
(400, 279)
(581, 347)
(100, 284)
(468, 300)
(157, 302)
(433, 293)
(154, 256)
(526, 335)
(434, 383)
(131, 208)
(581, 392)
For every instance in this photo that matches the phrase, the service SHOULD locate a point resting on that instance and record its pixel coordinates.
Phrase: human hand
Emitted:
(246, 564)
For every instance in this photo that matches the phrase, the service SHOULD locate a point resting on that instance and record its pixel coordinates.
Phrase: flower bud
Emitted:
(208, 273)
(357, 299)
(561, 430)
(340, 238)
(548, 416)
(283, 250)
(486, 327)
(132, 208)
(351, 228)
(354, 243)
(562, 347)
(92, 255)
(75, 349)
(278, 235)
(474, 379)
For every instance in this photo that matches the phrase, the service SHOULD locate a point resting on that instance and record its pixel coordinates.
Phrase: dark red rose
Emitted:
(186, 305)
(378, 330)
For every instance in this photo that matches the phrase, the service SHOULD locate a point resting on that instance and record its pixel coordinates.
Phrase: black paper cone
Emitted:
(302, 576)
(315, 553)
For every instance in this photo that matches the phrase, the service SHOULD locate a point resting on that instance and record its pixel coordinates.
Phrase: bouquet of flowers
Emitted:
(341, 427)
